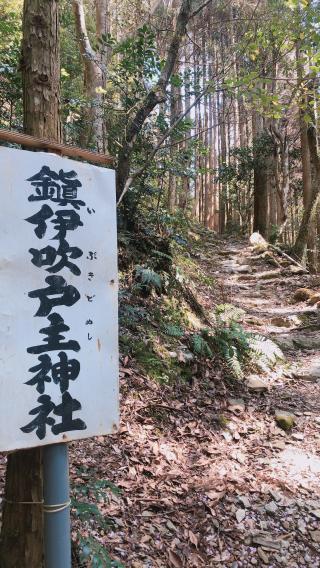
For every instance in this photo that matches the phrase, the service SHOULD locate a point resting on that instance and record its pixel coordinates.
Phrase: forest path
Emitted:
(207, 478)
(286, 464)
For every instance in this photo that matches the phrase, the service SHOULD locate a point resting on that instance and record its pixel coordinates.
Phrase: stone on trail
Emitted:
(314, 299)
(245, 269)
(257, 239)
(315, 535)
(244, 501)
(298, 436)
(310, 373)
(271, 507)
(297, 270)
(310, 341)
(302, 294)
(227, 252)
(284, 341)
(268, 275)
(256, 384)
(285, 420)
(280, 322)
(236, 405)
(259, 244)
(245, 277)
(300, 341)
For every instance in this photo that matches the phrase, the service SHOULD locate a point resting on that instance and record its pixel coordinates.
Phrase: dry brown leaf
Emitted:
(215, 495)
(175, 559)
(193, 539)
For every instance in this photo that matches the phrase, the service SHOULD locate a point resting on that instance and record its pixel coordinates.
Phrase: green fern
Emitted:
(200, 346)
(228, 313)
(129, 315)
(149, 278)
(173, 330)
(234, 364)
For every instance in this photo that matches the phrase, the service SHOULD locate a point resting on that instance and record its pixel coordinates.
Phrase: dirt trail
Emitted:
(286, 466)
(207, 478)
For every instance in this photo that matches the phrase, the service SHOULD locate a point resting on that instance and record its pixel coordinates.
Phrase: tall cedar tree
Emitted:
(22, 527)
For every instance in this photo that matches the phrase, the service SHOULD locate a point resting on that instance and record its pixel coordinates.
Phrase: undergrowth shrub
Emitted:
(147, 280)
(228, 339)
(90, 552)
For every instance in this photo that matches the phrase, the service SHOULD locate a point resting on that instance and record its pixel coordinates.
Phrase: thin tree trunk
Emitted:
(185, 192)
(174, 112)
(206, 176)
(260, 202)
(21, 543)
(305, 158)
(302, 238)
(153, 98)
(95, 65)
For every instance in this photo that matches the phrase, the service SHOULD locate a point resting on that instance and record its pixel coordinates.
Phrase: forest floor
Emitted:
(207, 478)
(200, 474)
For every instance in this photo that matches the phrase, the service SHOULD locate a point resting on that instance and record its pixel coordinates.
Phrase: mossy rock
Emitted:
(285, 420)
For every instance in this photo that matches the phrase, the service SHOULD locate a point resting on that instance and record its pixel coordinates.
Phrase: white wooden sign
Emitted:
(58, 300)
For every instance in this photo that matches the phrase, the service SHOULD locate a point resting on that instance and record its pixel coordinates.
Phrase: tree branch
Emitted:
(81, 29)
(196, 12)
(155, 96)
(158, 94)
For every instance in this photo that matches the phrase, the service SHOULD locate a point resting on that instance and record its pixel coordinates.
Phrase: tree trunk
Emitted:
(175, 108)
(21, 543)
(185, 192)
(41, 69)
(302, 238)
(152, 99)
(95, 64)
(305, 156)
(260, 197)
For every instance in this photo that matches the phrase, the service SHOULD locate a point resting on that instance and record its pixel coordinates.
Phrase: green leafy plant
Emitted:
(173, 330)
(148, 280)
(200, 346)
(90, 551)
(232, 341)
(227, 339)
(94, 555)
(131, 315)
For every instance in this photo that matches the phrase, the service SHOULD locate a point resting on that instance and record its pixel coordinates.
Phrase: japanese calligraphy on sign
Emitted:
(58, 300)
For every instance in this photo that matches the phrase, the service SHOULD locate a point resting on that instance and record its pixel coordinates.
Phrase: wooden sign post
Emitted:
(58, 313)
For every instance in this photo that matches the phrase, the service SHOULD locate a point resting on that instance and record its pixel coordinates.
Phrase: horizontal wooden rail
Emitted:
(62, 149)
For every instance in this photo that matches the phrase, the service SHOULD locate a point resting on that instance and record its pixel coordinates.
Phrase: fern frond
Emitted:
(200, 346)
(173, 330)
(149, 278)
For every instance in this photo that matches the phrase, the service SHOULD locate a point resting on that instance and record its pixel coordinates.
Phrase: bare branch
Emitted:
(155, 96)
(81, 29)
(198, 10)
